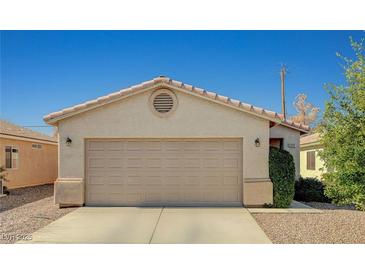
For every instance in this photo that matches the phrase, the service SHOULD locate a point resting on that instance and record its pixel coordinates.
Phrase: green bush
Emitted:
(310, 190)
(282, 175)
(342, 132)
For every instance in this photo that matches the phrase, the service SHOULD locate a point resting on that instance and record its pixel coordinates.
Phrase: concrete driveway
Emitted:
(153, 225)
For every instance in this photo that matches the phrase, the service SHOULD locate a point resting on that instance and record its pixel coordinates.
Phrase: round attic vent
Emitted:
(163, 102)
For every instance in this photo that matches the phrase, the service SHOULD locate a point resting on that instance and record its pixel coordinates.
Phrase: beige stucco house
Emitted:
(164, 142)
(311, 165)
(29, 157)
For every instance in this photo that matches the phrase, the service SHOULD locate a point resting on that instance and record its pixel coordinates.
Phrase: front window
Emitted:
(11, 157)
(311, 160)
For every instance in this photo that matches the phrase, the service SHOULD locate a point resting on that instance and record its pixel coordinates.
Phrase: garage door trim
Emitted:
(239, 170)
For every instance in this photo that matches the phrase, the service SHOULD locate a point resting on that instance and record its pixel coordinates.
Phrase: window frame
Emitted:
(311, 163)
(11, 157)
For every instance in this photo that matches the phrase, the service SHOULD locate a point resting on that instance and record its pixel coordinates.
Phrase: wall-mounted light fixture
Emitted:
(68, 141)
(257, 142)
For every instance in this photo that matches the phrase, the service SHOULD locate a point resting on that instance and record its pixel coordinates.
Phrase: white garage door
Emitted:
(158, 172)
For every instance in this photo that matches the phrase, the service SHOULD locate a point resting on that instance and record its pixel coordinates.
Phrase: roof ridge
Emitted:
(7, 127)
(271, 115)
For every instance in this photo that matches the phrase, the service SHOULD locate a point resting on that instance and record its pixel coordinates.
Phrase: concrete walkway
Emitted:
(295, 207)
(153, 225)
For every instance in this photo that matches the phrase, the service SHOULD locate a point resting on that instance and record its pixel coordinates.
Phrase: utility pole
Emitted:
(283, 72)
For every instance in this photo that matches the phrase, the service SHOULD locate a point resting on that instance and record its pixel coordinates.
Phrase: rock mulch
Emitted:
(337, 224)
(27, 211)
(24, 195)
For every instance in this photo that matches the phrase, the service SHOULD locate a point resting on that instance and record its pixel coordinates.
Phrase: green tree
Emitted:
(342, 132)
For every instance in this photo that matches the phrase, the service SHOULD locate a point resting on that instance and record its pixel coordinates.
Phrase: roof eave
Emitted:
(54, 118)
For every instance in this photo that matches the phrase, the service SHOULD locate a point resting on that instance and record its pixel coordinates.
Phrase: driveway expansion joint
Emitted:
(154, 229)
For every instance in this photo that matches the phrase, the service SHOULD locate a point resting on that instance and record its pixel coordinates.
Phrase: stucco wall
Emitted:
(304, 172)
(36, 166)
(194, 117)
(291, 143)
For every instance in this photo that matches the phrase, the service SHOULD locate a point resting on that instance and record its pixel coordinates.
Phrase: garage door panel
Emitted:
(153, 197)
(191, 146)
(96, 180)
(231, 181)
(153, 162)
(134, 162)
(114, 162)
(192, 181)
(96, 162)
(134, 180)
(231, 163)
(100, 188)
(171, 146)
(164, 172)
(193, 163)
(95, 146)
(133, 146)
(175, 163)
(116, 189)
(212, 163)
(154, 146)
(173, 181)
(213, 196)
(153, 181)
(212, 146)
(232, 146)
(134, 198)
(231, 196)
(113, 146)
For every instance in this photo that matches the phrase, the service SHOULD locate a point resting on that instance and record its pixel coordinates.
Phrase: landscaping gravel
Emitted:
(26, 210)
(20, 222)
(343, 225)
(24, 195)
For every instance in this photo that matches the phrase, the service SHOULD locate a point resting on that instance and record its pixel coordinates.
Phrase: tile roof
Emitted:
(309, 138)
(163, 81)
(8, 128)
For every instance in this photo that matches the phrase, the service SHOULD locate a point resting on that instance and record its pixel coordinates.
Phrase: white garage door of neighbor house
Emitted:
(163, 172)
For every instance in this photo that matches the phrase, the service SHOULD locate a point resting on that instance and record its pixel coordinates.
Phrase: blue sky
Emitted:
(45, 71)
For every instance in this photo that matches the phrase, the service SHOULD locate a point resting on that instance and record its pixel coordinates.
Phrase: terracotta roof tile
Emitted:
(8, 128)
(271, 115)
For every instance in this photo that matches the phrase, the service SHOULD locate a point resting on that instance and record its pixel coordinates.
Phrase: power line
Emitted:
(37, 126)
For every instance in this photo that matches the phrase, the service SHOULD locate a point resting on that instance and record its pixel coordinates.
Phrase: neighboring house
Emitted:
(311, 165)
(29, 157)
(164, 142)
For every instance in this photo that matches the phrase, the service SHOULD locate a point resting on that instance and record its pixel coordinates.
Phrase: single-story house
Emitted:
(29, 157)
(166, 143)
(311, 165)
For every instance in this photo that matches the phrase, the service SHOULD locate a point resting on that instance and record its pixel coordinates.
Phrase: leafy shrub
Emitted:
(310, 190)
(3, 174)
(346, 188)
(282, 175)
(3, 178)
(342, 132)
